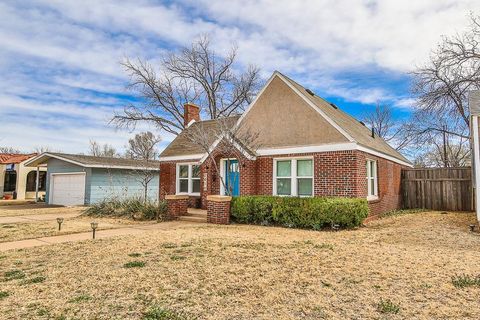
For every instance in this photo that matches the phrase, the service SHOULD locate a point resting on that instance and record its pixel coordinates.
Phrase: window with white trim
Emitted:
(188, 179)
(293, 177)
(372, 182)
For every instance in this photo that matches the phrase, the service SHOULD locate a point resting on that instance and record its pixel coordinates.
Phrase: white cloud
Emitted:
(59, 60)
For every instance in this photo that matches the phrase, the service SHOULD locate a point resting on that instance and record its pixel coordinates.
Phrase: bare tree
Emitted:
(445, 151)
(42, 149)
(442, 85)
(385, 126)
(9, 150)
(196, 75)
(143, 146)
(225, 139)
(105, 150)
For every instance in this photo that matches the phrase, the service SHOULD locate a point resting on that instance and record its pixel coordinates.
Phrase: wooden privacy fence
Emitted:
(438, 189)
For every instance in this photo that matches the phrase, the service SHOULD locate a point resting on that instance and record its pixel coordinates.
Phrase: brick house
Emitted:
(309, 147)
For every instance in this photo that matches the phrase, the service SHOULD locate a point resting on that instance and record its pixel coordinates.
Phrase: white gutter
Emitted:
(476, 163)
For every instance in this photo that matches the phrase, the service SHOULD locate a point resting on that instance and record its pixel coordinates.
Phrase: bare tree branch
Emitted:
(193, 75)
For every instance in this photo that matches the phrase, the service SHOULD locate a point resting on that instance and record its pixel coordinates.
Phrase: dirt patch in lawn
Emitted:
(37, 229)
(396, 268)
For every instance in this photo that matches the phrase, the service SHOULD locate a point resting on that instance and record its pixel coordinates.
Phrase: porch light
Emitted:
(59, 221)
(94, 226)
(472, 227)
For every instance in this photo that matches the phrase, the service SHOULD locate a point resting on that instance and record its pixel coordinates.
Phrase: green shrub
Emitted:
(310, 213)
(4, 294)
(131, 208)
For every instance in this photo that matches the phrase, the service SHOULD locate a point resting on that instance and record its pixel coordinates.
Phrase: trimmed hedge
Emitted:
(309, 213)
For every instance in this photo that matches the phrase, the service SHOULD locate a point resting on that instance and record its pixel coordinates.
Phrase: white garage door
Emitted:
(68, 189)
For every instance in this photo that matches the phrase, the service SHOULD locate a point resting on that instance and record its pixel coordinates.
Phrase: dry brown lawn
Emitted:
(31, 209)
(37, 229)
(253, 272)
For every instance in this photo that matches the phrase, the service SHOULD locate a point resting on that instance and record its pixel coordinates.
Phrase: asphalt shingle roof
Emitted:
(101, 162)
(182, 146)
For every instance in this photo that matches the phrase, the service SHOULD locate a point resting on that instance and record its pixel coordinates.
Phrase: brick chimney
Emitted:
(191, 112)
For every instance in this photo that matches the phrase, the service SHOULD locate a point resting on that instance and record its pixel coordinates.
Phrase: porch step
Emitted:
(194, 218)
(196, 214)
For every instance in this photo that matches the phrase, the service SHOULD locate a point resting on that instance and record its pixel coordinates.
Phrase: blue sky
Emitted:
(61, 81)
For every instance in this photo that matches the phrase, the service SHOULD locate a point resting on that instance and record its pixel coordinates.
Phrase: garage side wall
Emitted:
(121, 184)
(59, 166)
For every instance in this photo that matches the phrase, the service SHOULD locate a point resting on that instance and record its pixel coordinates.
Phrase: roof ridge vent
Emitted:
(310, 92)
(333, 105)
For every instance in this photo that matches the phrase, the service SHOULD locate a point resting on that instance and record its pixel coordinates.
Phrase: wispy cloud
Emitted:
(61, 77)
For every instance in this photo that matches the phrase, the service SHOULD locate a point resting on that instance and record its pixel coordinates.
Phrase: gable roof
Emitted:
(7, 158)
(352, 127)
(94, 162)
(353, 134)
(183, 146)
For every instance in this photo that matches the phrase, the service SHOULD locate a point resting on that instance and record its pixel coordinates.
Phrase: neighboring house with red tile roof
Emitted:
(18, 181)
(309, 147)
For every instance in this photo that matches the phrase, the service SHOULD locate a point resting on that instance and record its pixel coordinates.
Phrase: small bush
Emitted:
(463, 281)
(132, 208)
(160, 313)
(387, 306)
(134, 264)
(13, 275)
(310, 213)
(4, 294)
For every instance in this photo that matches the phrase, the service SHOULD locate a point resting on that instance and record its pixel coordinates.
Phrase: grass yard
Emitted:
(22, 231)
(31, 209)
(422, 266)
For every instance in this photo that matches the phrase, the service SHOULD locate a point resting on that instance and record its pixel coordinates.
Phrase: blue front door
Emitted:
(232, 177)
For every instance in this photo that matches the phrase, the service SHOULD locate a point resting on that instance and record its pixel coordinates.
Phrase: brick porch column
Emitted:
(177, 205)
(218, 209)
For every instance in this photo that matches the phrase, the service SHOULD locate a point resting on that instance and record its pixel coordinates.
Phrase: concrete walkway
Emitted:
(37, 217)
(100, 234)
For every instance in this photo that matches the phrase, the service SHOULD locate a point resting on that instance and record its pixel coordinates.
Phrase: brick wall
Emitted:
(389, 184)
(338, 173)
(218, 209)
(167, 179)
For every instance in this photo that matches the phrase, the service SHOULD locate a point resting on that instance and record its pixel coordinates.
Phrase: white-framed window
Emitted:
(188, 179)
(372, 181)
(293, 177)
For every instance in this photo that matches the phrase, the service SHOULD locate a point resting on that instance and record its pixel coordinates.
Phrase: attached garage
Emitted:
(67, 189)
(82, 180)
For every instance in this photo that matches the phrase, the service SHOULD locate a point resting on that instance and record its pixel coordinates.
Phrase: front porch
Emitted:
(194, 215)
(218, 209)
